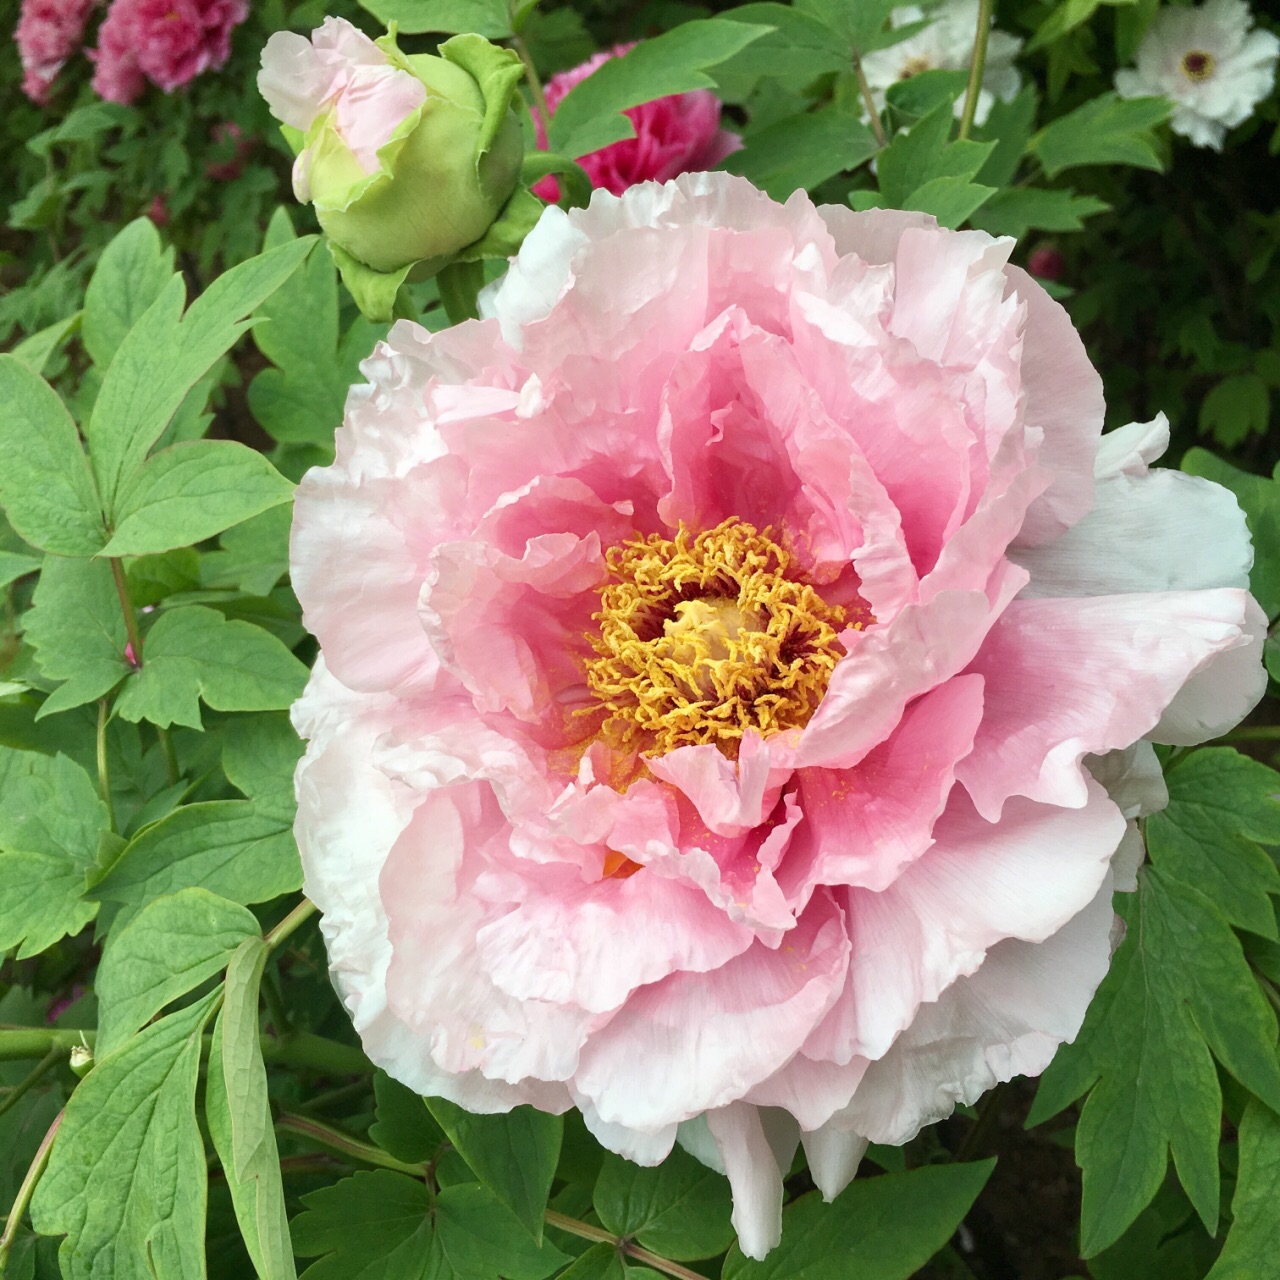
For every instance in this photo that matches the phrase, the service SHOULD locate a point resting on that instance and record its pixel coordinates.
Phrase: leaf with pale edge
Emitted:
(169, 948)
(1253, 1243)
(888, 1226)
(514, 1154)
(126, 1179)
(194, 653)
(680, 1209)
(49, 824)
(1179, 987)
(239, 1115)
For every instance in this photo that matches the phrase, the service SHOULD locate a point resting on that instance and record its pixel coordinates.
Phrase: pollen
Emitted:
(703, 637)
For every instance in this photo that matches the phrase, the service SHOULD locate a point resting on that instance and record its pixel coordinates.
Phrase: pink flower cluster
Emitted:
(168, 42)
(49, 32)
(677, 134)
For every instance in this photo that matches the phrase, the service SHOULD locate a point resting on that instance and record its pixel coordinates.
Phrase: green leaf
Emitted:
(130, 274)
(1236, 408)
(1259, 497)
(950, 199)
(680, 1209)
(802, 151)
(1017, 210)
(860, 23)
(603, 1262)
(77, 631)
(404, 1127)
(918, 95)
(259, 756)
(590, 115)
(797, 48)
(254, 555)
(166, 353)
(514, 1155)
(46, 486)
(1222, 806)
(34, 351)
(485, 17)
(49, 825)
(15, 565)
(233, 848)
(193, 652)
(239, 1114)
(374, 292)
(918, 157)
(1253, 1243)
(1009, 126)
(1106, 130)
(373, 1224)
(301, 317)
(169, 948)
(892, 1225)
(477, 1238)
(126, 1178)
(189, 492)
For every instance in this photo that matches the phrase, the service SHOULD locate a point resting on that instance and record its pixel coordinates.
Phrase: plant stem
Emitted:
(541, 111)
(877, 126)
(298, 916)
(585, 1231)
(337, 1140)
(26, 1191)
(126, 607)
(19, 1090)
(977, 65)
(104, 772)
(170, 756)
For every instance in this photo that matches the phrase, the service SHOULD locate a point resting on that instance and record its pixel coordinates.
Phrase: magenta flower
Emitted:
(48, 33)
(168, 42)
(740, 661)
(677, 134)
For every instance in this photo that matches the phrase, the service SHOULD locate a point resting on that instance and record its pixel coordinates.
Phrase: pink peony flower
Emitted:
(48, 33)
(677, 134)
(168, 42)
(740, 659)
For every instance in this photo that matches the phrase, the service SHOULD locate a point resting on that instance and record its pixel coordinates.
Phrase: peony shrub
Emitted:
(740, 657)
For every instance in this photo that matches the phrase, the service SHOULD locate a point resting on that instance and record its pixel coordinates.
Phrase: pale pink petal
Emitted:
(756, 1146)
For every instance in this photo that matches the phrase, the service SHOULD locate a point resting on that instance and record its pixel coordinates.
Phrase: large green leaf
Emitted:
(1106, 130)
(883, 1228)
(514, 1155)
(46, 486)
(478, 1237)
(802, 151)
(404, 1127)
(589, 115)
(194, 653)
(169, 948)
(126, 1179)
(130, 274)
(485, 17)
(1253, 1244)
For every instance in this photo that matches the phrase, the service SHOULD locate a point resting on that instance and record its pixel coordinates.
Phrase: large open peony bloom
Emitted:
(738, 650)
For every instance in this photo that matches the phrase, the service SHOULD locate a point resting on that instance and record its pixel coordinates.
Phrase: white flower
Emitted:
(946, 44)
(1209, 62)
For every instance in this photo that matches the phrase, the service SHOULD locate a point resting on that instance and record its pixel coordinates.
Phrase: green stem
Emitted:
(126, 607)
(300, 1049)
(535, 87)
(281, 1023)
(585, 1231)
(170, 755)
(338, 1140)
(104, 771)
(877, 126)
(298, 916)
(19, 1090)
(26, 1191)
(977, 66)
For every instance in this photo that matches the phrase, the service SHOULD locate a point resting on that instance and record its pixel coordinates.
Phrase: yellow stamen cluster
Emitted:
(1198, 65)
(705, 636)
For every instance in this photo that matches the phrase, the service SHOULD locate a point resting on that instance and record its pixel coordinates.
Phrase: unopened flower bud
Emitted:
(407, 159)
(81, 1061)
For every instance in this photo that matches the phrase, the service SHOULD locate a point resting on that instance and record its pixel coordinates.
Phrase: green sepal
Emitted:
(497, 71)
(374, 292)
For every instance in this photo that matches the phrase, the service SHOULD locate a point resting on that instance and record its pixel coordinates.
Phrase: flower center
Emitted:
(704, 637)
(914, 66)
(1197, 65)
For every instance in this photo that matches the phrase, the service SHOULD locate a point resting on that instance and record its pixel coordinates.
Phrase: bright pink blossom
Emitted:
(826, 930)
(48, 33)
(168, 42)
(677, 134)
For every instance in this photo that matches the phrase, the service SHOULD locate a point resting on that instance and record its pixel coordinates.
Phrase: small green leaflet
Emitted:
(803, 151)
(1179, 995)
(1253, 1243)
(49, 825)
(34, 351)
(169, 948)
(603, 1262)
(590, 115)
(404, 1127)
(194, 653)
(1017, 210)
(679, 1210)
(239, 1114)
(77, 631)
(514, 1155)
(126, 1180)
(1105, 130)
(887, 1226)
(1236, 408)
(132, 270)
